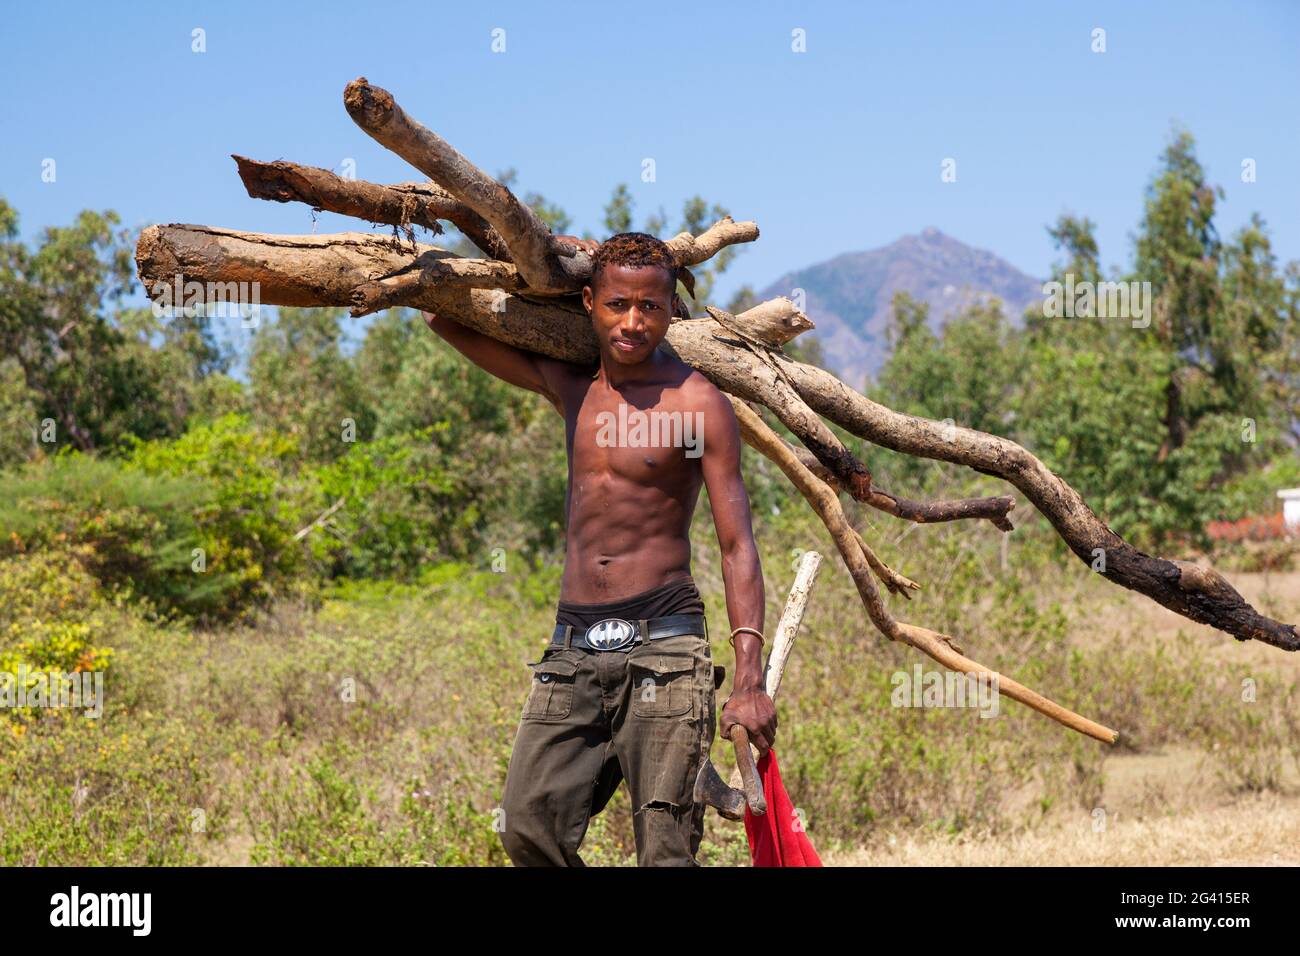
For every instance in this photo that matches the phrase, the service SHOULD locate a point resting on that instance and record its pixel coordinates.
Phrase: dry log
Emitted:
(401, 205)
(1199, 594)
(773, 322)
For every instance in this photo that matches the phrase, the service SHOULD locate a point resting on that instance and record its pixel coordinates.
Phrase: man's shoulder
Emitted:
(699, 391)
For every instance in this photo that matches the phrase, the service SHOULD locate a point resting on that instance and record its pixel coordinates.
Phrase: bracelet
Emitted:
(751, 630)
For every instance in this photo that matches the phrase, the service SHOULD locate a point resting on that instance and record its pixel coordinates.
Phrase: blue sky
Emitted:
(833, 150)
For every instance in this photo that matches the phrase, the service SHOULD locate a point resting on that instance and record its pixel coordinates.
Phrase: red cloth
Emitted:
(777, 837)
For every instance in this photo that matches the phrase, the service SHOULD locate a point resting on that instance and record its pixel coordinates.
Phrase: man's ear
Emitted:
(587, 298)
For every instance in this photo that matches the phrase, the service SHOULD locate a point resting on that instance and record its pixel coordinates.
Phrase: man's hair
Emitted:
(634, 250)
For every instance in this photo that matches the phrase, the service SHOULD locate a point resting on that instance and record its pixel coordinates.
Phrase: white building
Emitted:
(1290, 507)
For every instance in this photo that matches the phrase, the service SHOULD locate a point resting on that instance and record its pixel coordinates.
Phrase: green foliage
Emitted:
(250, 509)
(51, 614)
(135, 533)
(1158, 427)
(303, 388)
(91, 374)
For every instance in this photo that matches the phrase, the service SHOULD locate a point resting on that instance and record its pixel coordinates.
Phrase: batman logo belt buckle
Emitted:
(611, 634)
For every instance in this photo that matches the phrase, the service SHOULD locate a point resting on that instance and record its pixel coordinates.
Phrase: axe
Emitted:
(728, 800)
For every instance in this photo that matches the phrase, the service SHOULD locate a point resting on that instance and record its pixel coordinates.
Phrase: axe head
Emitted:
(710, 789)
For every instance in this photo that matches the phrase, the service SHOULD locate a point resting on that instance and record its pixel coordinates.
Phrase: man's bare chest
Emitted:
(654, 442)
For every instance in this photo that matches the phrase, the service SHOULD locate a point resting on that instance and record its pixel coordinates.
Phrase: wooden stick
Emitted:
(786, 630)
(791, 618)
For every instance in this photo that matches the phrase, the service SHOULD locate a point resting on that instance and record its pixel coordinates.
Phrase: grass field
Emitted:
(372, 724)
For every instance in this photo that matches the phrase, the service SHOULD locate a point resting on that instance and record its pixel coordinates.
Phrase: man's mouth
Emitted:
(626, 345)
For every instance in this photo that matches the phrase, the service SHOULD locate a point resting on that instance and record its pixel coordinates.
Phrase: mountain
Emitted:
(849, 297)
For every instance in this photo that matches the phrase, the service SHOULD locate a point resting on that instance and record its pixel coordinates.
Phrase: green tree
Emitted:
(304, 387)
(57, 326)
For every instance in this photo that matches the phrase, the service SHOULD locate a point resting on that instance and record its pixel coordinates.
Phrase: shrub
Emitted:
(133, 532)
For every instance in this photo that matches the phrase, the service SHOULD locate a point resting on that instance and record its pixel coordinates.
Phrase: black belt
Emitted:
(615, 633)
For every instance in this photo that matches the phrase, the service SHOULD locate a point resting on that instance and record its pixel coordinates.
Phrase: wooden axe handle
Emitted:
(748, 770)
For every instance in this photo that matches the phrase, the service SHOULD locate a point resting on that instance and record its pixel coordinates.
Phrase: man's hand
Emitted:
(753, 710)
(588, 246)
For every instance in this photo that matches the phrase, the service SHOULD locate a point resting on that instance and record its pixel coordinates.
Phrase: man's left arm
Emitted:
(742, 574)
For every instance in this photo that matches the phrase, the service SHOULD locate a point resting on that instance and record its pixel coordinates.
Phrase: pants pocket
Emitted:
(663, 685)
(551, 695)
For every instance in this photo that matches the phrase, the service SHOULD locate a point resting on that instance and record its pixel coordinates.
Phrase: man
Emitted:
(626, 687)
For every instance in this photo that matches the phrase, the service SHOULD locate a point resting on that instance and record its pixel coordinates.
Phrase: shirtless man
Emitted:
(626, 687)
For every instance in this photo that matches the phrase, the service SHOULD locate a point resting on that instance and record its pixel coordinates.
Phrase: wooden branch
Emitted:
(1199, 594)
(325, 271)
(894, 582)
(995, 510)
(401, 205)
(319, 520)
(938, 646)
(772, 323)
(787, 629)
(691, 250)
(548, 267)
(527, 237)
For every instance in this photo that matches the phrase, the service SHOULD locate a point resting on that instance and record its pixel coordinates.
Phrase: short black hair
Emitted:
(635, 250)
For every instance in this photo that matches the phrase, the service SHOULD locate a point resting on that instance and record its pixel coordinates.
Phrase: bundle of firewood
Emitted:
(524, 291)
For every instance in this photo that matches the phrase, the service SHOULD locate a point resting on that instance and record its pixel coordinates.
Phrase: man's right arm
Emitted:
(537, 373)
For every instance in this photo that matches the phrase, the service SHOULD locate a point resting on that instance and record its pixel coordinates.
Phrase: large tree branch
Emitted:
(995, 509)
(401, 205)
(854, 551)
(526, 235)
(1198, 593)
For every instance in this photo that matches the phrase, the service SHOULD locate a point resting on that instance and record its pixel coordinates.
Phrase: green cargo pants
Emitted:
(593, 718)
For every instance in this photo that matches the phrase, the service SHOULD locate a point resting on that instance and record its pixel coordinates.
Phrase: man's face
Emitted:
(630, 311)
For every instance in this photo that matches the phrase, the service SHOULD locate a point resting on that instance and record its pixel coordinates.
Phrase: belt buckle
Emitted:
(611, 634)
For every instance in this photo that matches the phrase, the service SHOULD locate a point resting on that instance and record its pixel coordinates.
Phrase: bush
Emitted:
(133, 532)
(51, 615)
(252, 507)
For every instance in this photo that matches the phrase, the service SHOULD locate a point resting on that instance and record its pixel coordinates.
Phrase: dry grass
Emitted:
(1161, 809)
(1254, 831)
